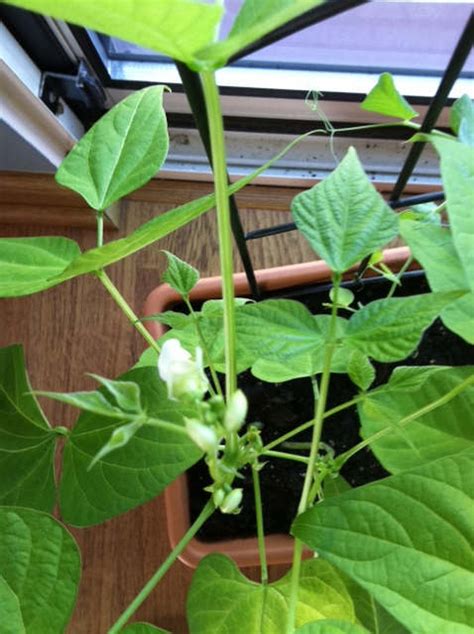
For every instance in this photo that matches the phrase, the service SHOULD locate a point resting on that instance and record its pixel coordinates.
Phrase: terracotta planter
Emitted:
(244, 551)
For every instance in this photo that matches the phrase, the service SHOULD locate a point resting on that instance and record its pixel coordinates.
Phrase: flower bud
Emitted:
(236, 411)
(232, 502)
(218, 496)
(184, 376)
(204, 437)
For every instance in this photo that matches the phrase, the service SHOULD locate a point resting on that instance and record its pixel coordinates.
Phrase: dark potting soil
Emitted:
(280, 407)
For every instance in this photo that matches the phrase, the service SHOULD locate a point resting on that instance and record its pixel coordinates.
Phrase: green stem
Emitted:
(204, 515)
(344, 457)
(285, 456)
(216, 131)
(126, 309)
(403, 270)
(163, 424)
(260, 529)
(310, 423)
(215, 380)
(318, 426)
(100, 227)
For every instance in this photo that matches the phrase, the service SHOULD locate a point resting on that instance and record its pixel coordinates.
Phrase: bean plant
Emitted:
(392, 556)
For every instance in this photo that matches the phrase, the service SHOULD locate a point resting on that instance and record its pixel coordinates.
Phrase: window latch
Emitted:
(81, 91)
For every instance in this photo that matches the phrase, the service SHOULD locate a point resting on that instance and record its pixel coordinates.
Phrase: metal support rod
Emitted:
(313, 16)
(394, 204)
(194, 93)
(451, 73)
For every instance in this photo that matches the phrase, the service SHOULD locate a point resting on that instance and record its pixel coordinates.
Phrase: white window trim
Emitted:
(22, 109)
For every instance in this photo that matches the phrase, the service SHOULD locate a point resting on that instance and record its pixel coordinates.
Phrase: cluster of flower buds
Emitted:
(216, 425)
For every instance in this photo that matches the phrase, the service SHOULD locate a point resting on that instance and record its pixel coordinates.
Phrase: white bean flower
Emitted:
(183, 375)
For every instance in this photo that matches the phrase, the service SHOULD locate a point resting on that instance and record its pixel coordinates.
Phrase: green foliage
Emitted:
(39, 573)
(155, 229)
(331, 626)
(132, 474)
(434, 248)
(121, 152)
(461, 119)
(390, 329)
(457, 170)
(446, 430)
(385, 99)
(26, 439)
(29, 265)
(382, 535)
(245, 606)
(143, 628)
(360, 370)
(344, 218)
(256, 18)
(180, 275)
(165, 26)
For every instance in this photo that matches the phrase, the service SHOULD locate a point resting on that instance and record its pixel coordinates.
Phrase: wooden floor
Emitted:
(76, 328)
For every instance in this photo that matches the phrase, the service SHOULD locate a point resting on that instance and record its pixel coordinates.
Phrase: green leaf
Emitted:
(133, 474)
(245, 606)
(121, 152)
(370, 613)
(125, 393)
(10, 611)
(26, 439)
(180, 275)
(40, 564)
(255, 19)
(119, 438)
(446, 430)
(28, 264)
(335, 486)
(385, 99)
(390, 329)
(461, 119)
(331, 626)
(94, 402)
(360, 370)
(433, 247)
(457, 171)
(345, 297)
(166, 26)
(143, 628)
(156, 228)
(408, 541)
(283, 340)
(170, 318)
(344, 218)
(426, 213)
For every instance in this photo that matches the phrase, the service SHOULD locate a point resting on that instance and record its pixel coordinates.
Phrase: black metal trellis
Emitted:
(194, 93)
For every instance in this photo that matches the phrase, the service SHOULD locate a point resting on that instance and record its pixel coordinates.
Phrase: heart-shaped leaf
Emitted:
(245, 606)
(385, 99)
(39, 572)
(344, 218)
(121, 152)
(29, 265)
(180, 275)
(26, 439)
(407, 540)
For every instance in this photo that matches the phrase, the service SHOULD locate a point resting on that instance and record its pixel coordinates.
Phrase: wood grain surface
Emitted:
(76, 328)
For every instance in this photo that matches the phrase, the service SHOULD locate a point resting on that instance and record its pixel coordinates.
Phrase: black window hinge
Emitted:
(81, 91)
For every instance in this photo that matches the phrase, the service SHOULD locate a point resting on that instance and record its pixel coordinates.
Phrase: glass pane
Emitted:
(408, 37)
